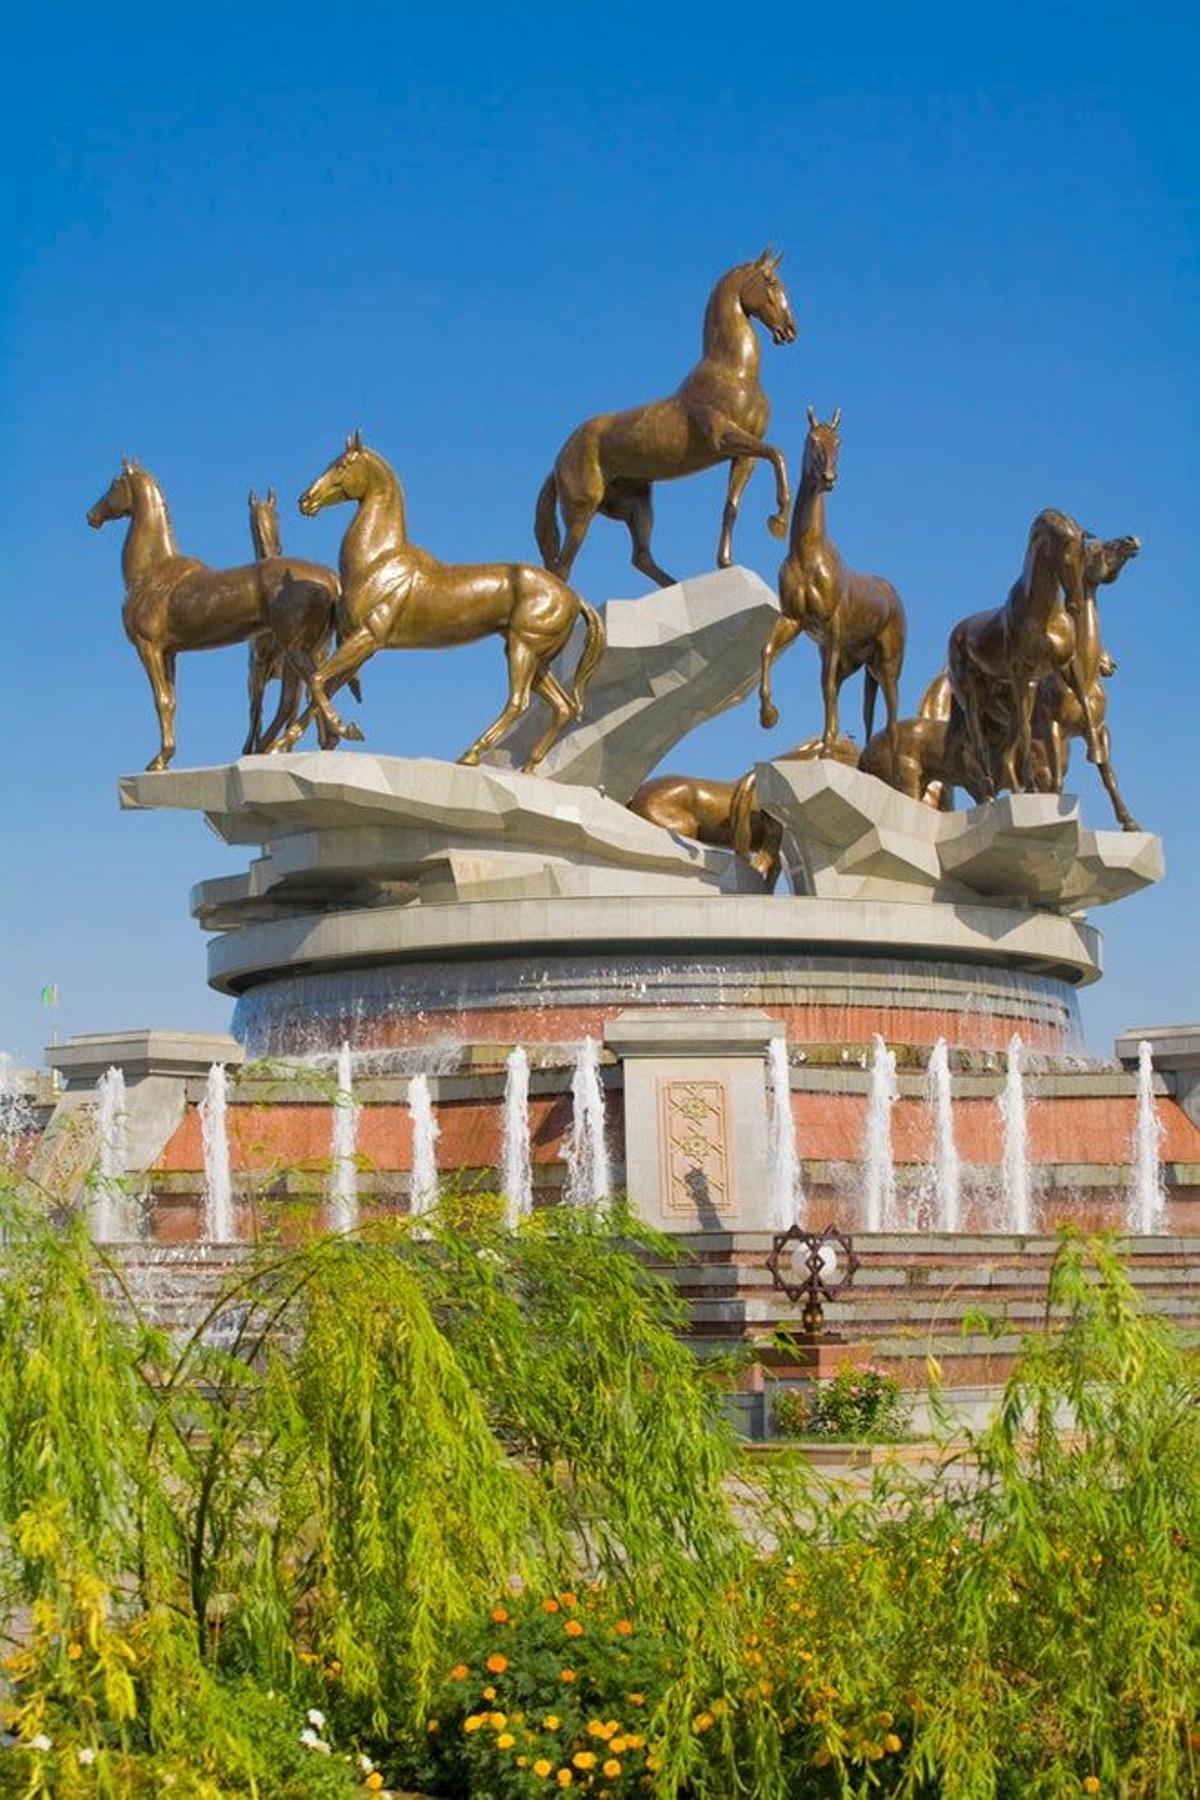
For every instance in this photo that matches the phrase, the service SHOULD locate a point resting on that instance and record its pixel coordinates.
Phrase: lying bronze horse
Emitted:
(396, 596)
(996, 659)
(175, 602)
(722, 813)
(856, 620)
(718, 415)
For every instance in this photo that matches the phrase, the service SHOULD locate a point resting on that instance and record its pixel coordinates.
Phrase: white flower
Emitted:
(40, 1742)
(87, 1755)
(323, 1747)
(364, 1762)
(309, 1737)
(316, 1717)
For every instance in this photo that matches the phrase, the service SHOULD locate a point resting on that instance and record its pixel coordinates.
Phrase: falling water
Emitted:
(108, 1204)
(343, 1185)
(426, 1131)
(786, 1182)
(879, 1170)
(947, 1170)
(588, 1178)
(1147, 1200)
(1018, 1213)
(516, 1169)
(217, 1226)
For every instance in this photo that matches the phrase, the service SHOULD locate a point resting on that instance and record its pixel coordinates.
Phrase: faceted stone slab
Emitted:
(848, 836)
(673, 659)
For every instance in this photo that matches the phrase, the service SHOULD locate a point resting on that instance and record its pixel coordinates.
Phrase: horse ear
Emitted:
(126, 465)
(837, 417)
(270, 496)
(252, 498)
(356, 441)
(812, 418)
(764, 257)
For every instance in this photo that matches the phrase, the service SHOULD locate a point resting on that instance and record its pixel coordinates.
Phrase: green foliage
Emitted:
(382, 1461)
(862, 1405)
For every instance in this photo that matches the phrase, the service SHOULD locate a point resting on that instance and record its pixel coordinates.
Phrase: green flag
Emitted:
(50, 994)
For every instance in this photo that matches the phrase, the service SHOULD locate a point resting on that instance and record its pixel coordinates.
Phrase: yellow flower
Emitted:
(307, 1656)
(595, 1728)
(505, 1741)
(566, 1674)
(612, 1768)
(374, 1780)
(459, 1672)
(636, 1699)
(822, 1757)
(1091, 1784)
(473, 1722)
(496, 1664)
(497, 1720)
(584, 1759)
(434, 1725)
(499, 1615)
(551, 1721)
(630, 1742)
(489, 1693)
(892, 1742)
(624, 1628)
(564, 1778)
(703, 1721)
(573, 1628)
(74, 1652)
(543, 1767)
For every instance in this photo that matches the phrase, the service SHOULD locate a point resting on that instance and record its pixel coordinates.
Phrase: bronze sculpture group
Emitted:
(1021, 681)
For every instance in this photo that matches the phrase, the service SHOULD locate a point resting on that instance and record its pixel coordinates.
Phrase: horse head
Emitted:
(116, 502)
(345, 478)
(764, 297)
(821, 448)
(1106, 557)
(264, 524)
(1060, 545)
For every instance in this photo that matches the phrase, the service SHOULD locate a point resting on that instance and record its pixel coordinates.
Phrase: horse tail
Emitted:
(545, 521)
(741, 814)
(593, 649)
(870, 689)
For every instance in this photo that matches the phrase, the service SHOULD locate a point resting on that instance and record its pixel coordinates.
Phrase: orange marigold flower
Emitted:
(551, 1721)
(473, 1722)
(550, 1606)
(489, 1693)
(568, 1600)
(543, 1767)
(374, 1781)
(434, 1725)
(496, 1664)
(459, 1672)
(703, 1721)
(584, 1759)
(566, 1674)
(1091, 1784)
(499, 1615)
(497, 1720)
(624, 1627)
(74, 1652)
(822, 1757)
(573, 1628)
(564, 1778)
(636, 1699)
(892, 1743)
(612, 1768)
(505, 1741)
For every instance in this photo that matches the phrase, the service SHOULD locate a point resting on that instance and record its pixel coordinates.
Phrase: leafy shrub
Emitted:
(859, 1404)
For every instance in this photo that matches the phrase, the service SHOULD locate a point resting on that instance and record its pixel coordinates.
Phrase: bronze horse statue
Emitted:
(930, 756)
(722, 813)
(396, 596)
(175, 602)
(856, 620)
(718, 414)
(996, 659)
(1057, 715)
(299, 634)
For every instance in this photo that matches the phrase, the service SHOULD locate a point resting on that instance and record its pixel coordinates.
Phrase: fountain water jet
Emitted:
(108, 1204)
(1018, 1210)
(787, 1186)
(516, 1166)
(947, 1168)
(879, 1169)
(343, 1184)
(16, 1113)
(1147, 1214)
(586, 1155)
(425, 1131)
(217, 1226)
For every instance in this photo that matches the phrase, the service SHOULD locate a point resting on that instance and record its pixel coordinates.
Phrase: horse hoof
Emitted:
(469, 758)
(158, 765)
(768, 716)
(1130, 825)
(777, 525)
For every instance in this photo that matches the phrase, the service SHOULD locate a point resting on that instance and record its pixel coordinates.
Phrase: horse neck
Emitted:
(378, 527)
(729, 337)
(808, 515)
(1042, 584)
(1087, 637)
(150, 539)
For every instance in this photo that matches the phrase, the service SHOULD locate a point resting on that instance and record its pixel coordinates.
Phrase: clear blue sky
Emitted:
(232, 234)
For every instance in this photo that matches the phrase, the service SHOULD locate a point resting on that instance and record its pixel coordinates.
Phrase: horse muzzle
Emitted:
(96, 517)
(785, 333)
(309, 504)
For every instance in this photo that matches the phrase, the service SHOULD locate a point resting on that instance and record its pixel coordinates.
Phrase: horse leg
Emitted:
(728, 439)
(261, 659)
(523, 666)
(1024, 695)
(740, 471)
(830, 665)
(552, 693)
(784, 632)
(324, 681)
(630, 501)
(1125, 818)
(160, 672)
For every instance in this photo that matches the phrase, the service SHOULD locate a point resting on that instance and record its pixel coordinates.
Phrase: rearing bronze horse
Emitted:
(396, 596)
(719, 414)
(175, 602)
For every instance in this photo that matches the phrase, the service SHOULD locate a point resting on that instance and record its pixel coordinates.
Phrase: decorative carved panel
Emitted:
(694, 1140)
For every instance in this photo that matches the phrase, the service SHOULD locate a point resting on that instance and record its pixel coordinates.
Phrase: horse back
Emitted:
(654, 442)
(210, 607)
